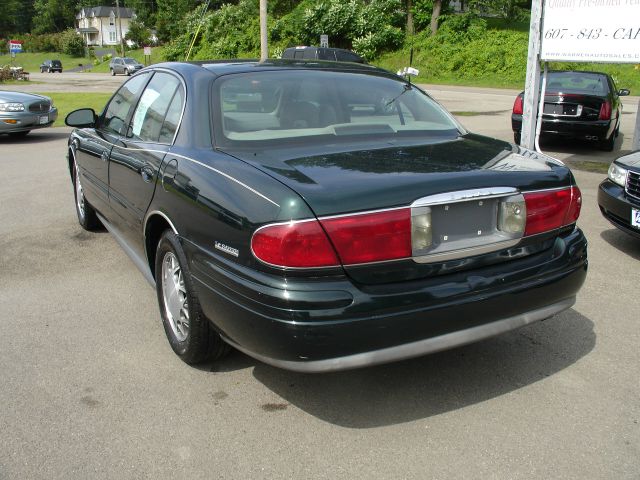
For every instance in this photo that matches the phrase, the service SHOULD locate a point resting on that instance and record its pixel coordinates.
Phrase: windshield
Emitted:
(303, 105)
(576, 82)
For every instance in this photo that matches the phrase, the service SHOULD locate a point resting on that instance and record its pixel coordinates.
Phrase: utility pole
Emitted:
(120, 26)
(264, 48)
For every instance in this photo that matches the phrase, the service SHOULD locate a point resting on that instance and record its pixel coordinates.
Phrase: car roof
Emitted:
(225, 67)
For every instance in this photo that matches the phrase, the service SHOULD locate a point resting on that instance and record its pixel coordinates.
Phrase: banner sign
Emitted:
(591, 31)
(15, 46)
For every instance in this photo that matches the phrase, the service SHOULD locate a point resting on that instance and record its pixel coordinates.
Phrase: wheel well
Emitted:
(155, 227)
(70, 160)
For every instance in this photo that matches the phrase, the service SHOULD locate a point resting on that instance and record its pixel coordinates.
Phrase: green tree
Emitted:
(146, 10)
(53, 15)
(16, 17)
(170, 16)
(138, 33)
(508, 9)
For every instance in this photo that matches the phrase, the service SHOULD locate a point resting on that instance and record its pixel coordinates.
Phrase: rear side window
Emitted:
(171, 121)
(309, 54)
(153, 106)
(118, 109)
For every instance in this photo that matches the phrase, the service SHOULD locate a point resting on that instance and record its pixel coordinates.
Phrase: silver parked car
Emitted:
(125, 65)
(22, 112)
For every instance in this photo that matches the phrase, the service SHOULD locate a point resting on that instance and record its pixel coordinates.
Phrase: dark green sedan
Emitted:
(322, 216)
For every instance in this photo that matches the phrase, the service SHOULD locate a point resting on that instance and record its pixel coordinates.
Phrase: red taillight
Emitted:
(552, 209)
(371, 237)
(605, 111)
(295, 245)
(364, 238)
(517, 105)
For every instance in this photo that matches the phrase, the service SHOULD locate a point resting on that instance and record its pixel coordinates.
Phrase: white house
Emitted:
(99, 26)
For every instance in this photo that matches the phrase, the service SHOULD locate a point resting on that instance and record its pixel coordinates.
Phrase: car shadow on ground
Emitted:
(433, 384)
(582, 149)
(622, 241)
(36, 137)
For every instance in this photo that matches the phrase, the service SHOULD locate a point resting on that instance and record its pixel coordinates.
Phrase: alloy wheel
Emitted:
(174, 295)
(79, 195)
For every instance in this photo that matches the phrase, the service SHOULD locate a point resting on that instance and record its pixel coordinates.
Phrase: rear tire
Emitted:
(517, 136)
(190, 334)
(87, 217)
(608, 144)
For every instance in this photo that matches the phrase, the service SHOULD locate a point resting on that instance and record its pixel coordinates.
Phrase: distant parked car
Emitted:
(22, 112)
(125, 66)
(619, 194)
(321, 53)
(581, 105)
(51, 66)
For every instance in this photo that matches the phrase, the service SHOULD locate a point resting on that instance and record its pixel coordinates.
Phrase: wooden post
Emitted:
(264, 48)
(120, 26)
(532, 84)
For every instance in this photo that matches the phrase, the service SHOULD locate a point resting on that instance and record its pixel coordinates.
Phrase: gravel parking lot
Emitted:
(91, 388)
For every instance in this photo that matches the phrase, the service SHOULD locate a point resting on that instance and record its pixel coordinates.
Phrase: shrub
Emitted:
(71, 43)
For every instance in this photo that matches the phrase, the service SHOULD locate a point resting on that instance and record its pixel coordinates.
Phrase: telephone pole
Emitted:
(264, 49)
(120, 26)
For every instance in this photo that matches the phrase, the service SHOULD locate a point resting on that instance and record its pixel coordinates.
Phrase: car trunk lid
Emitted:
(337, 182)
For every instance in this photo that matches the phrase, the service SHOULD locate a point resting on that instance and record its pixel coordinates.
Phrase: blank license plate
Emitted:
(44, 119)
(635, 218)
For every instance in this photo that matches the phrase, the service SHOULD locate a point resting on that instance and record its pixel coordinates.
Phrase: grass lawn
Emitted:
(625, 75)
(67, 102)
(31, 61)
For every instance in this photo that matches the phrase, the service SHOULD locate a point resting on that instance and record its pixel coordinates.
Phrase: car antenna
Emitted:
(406, 72)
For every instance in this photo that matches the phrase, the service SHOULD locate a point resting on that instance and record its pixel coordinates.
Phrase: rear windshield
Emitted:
(320, 105)
(56, 63)
(577, 82)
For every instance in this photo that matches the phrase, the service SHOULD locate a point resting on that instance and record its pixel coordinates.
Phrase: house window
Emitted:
(112, 19)
(112, 37)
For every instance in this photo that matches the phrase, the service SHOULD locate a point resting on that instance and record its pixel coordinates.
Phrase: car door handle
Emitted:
(104, 156)
(147, 174)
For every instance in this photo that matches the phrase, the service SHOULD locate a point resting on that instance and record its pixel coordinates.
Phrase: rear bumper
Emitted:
(594, 130)
(318, 326)
(616, 206)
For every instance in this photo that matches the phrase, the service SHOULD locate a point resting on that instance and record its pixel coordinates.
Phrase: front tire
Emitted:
(189, 332)
(113, 72)
(22, 134)
(87, 217)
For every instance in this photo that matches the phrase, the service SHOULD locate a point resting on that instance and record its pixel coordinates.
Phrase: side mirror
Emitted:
(624, 92)
(81, 118)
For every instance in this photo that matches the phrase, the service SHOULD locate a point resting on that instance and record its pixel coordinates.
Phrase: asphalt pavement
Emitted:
(91, 389)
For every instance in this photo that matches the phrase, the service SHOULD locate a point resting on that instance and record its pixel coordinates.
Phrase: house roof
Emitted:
(105, 12)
